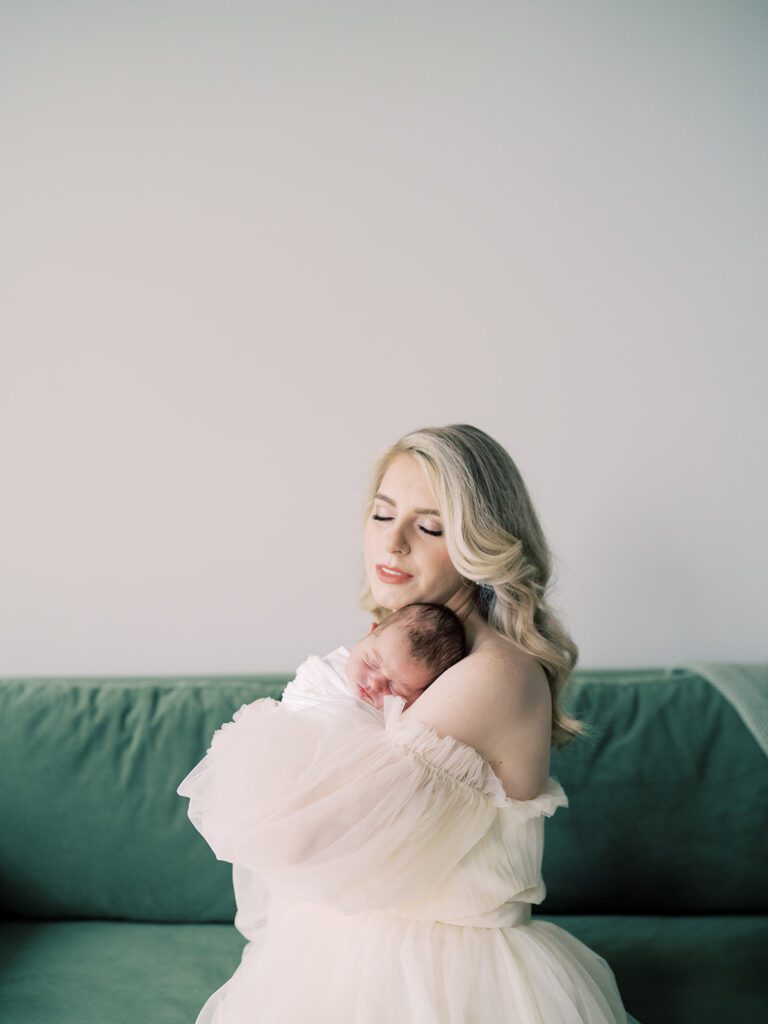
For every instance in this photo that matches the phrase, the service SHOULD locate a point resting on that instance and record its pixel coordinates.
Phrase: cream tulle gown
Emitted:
(382, 875)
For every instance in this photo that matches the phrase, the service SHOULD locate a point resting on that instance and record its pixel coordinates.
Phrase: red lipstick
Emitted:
(390, 576)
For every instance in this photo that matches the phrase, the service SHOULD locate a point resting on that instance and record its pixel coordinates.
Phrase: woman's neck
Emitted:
(476, 628)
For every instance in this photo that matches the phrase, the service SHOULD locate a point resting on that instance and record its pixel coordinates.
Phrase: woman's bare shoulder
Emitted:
(499, 675)
(511, 662)
(497, 700)
(519, 737)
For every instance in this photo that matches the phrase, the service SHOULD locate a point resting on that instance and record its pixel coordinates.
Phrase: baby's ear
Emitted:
(373, 626)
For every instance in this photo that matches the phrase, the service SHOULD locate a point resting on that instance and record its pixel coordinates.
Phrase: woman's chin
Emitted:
(389, 602)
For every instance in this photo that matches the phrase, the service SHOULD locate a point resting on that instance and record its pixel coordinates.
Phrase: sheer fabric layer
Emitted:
(314, 965)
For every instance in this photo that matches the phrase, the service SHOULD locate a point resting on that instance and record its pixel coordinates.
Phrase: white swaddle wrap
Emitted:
(320, 679)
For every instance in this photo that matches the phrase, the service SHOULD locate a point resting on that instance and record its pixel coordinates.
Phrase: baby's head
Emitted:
(405, 652)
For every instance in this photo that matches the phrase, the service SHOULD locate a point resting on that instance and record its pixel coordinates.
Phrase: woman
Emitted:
(386, 875)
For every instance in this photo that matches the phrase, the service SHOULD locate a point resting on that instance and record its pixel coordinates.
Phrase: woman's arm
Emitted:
(332, 807)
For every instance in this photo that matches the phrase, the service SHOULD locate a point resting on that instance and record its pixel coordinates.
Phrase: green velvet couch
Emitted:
(115, 910)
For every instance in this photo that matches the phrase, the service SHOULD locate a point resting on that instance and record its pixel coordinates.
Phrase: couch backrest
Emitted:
(667, 807)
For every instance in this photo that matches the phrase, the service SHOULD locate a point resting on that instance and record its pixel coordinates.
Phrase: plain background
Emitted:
(246, 246)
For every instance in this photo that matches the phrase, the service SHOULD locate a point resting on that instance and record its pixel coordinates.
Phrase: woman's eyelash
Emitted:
(433, 533)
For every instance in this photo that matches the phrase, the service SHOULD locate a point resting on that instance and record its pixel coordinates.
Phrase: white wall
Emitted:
(247, 246)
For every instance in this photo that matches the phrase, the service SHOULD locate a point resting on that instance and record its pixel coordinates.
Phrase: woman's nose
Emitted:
(396, 540)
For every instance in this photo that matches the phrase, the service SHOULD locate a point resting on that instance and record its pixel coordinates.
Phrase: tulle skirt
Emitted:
(311, 964)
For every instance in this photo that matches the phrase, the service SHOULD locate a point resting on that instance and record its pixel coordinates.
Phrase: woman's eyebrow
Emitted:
(421, 511)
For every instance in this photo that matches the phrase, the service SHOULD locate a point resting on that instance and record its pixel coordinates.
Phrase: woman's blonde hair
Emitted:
(496, 543)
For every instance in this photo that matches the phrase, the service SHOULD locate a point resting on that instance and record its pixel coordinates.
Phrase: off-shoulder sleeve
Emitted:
(332, 806)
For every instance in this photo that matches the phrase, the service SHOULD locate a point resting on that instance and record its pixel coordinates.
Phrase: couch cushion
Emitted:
(667, 814)
(92, 972)
(702, 969)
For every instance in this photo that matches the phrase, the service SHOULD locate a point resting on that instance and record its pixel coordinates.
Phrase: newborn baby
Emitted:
(405, 653)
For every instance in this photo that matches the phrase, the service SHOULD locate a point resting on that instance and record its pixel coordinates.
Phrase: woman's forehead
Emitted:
(407, 479)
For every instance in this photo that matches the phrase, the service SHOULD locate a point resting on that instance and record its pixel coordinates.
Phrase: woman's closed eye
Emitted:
(386, 519)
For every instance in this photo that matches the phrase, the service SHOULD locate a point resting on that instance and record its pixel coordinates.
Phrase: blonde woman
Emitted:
(386, 863)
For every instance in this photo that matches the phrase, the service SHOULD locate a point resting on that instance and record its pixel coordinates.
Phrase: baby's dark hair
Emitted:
(435, 633)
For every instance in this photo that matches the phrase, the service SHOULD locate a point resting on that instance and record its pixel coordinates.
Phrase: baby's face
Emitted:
(381, 664)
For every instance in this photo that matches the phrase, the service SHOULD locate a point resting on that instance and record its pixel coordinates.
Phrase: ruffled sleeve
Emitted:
(332, 806)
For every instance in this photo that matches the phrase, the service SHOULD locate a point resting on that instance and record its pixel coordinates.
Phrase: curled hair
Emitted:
(434, 632)
(495, 541)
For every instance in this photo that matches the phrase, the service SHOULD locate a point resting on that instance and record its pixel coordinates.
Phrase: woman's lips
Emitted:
(387, 576)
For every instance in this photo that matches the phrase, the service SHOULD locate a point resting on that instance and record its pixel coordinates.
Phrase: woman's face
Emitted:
(404, 531)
